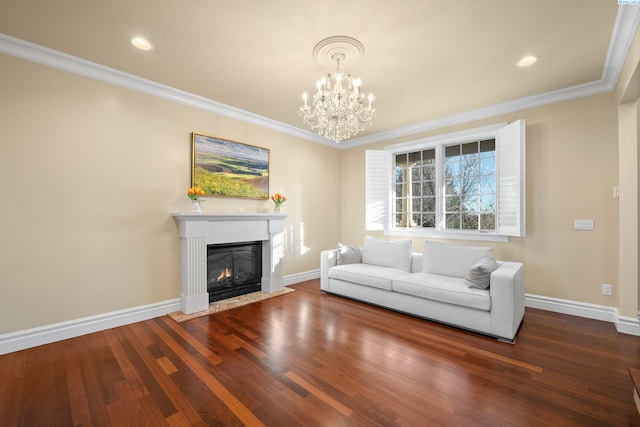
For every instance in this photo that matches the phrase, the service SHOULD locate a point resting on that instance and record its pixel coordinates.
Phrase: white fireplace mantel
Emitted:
(197, 230)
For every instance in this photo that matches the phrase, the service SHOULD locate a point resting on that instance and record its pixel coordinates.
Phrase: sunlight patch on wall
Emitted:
(296, 240)
(277, 251)
(303, 248)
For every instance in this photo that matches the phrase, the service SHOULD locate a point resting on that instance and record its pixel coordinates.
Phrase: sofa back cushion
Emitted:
(387, 253)
(451, 260)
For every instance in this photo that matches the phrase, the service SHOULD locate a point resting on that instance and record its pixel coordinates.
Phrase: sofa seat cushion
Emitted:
(366, 274)
(452, 290)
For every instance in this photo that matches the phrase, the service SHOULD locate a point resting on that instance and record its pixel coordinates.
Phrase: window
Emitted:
(414, 198)
(464, 185)
(470, 186)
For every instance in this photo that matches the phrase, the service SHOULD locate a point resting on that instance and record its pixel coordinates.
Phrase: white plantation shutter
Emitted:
(510, 150)
(378, 175)
(510, 180)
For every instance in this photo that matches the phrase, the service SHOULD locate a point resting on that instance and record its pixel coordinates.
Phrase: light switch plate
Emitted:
(583, 224)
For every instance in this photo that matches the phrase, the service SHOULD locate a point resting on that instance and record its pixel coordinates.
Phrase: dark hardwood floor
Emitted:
(308, 359)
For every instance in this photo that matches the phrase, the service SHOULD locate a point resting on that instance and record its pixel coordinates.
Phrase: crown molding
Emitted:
(624, 30)
(622, 37)
(623, 33)
(565, 94)
(42, 55)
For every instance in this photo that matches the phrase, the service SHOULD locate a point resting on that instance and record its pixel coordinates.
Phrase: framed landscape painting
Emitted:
(228, 168)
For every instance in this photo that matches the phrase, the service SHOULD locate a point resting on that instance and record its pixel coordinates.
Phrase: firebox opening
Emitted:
(233, 269)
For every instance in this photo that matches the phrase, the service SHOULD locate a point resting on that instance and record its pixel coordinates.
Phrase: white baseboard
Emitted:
(34, 337)
(628, 325)
(292, 279)
(623, 324)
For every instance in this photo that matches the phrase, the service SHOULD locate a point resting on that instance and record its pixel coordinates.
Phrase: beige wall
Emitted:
(628, 227)
(572, 161)
(627, 93)
(89, 174)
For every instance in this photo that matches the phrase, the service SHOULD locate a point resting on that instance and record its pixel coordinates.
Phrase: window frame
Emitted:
(439, 143)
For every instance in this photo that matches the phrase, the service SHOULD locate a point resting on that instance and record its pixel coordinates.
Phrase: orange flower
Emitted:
(194, 193)
(278, 199)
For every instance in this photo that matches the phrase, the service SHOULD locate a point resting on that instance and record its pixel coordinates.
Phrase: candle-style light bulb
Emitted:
(370, 99)
(305, 96)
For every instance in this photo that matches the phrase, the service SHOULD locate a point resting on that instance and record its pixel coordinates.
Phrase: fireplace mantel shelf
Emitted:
(198, 230)
(241, 216)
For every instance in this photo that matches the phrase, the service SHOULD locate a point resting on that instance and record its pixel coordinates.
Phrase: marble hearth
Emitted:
(197, 230)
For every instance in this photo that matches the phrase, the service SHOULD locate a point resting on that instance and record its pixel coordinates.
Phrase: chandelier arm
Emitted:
(337, 110)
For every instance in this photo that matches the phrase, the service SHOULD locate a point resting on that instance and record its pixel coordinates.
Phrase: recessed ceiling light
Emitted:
(141, 43)
(527, 61)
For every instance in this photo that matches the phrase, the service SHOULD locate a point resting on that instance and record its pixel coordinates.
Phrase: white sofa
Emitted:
(441, 284)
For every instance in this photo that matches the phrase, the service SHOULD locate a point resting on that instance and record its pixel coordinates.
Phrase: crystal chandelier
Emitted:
(339, 109)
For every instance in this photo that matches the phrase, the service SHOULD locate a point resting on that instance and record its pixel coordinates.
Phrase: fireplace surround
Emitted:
(198, 230)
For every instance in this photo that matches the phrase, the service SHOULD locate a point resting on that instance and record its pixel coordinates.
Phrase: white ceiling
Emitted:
(424, 60)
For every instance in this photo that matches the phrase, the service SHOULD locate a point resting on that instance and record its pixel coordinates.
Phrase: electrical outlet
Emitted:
(607, 290)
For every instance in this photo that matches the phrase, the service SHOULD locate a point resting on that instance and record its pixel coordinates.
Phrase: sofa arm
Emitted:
(507, 299)
(328, 258)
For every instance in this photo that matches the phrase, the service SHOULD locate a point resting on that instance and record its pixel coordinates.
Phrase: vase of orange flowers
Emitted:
(194, 194)
(278, 199)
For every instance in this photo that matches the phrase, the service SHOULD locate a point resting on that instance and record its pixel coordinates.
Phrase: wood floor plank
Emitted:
(133, 409)
(214, 385)
(46, 387)
(156, 383)
(163, 390)
(193, 341)
(343, 409)
(313, 359)
(129, 372)
(78, 400)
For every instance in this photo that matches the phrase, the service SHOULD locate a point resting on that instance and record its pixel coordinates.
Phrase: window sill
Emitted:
(485, 237)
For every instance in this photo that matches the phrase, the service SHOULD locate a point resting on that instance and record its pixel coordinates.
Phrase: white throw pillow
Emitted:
(479, 274)
(451, 260)
(387, 253)
(348, 254)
